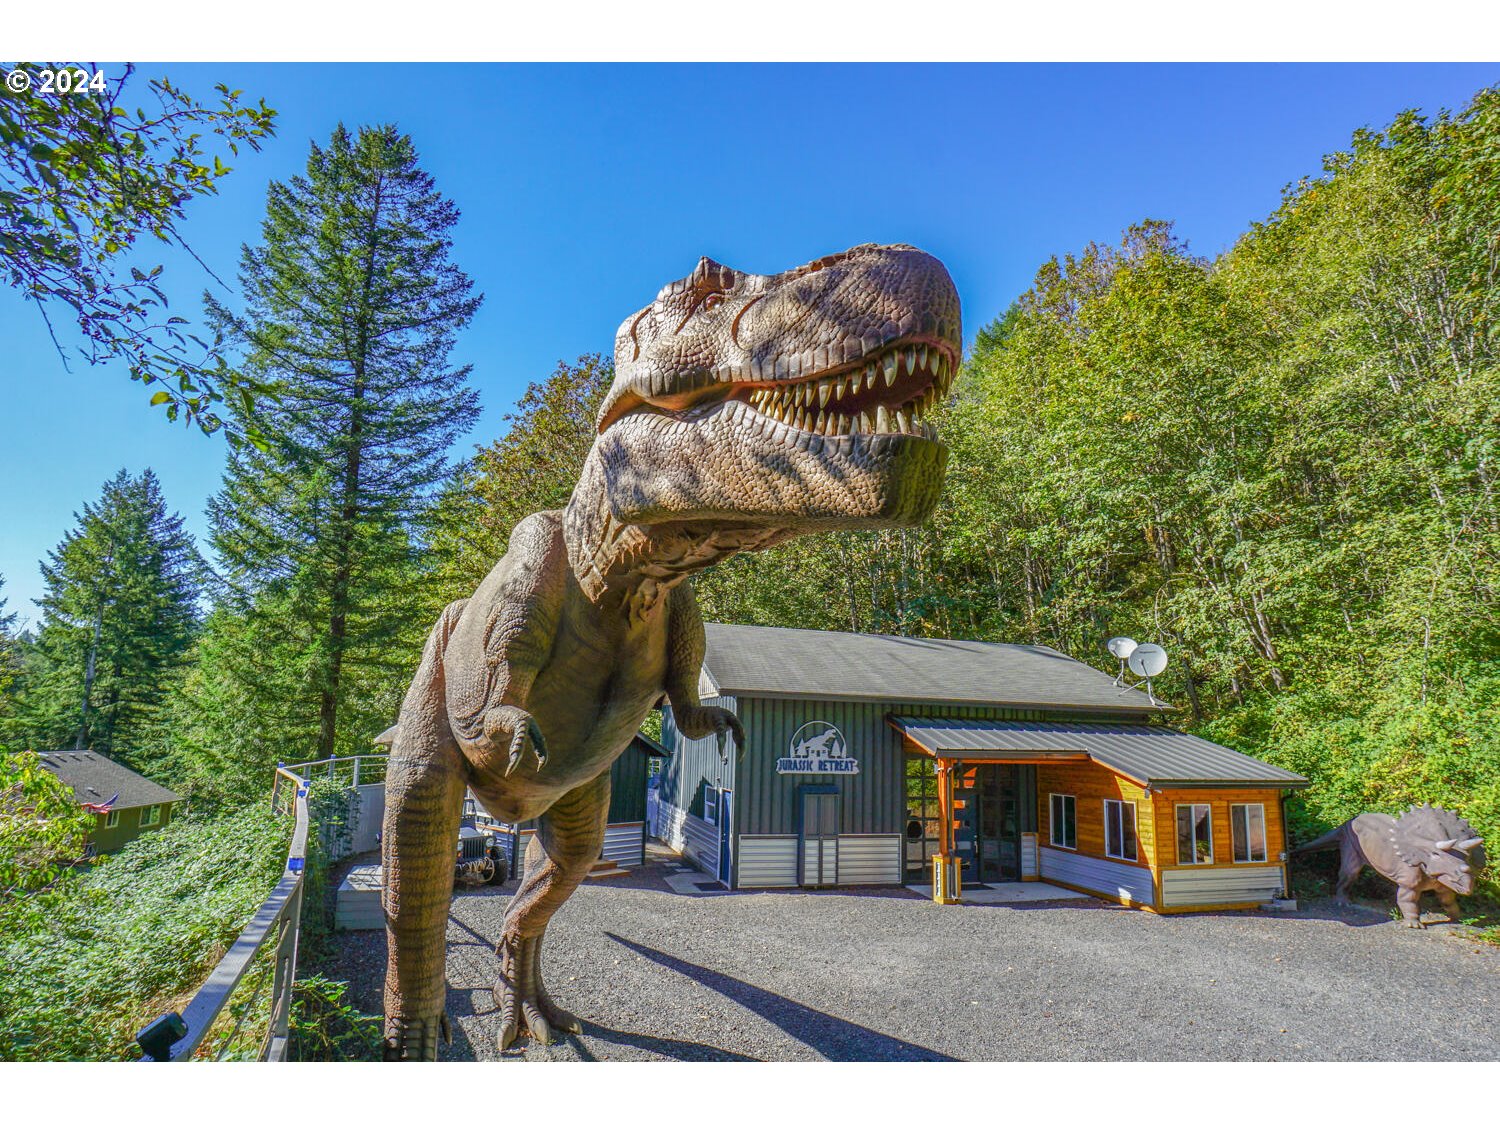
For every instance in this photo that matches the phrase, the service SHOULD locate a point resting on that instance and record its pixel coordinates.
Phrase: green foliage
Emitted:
(533, 468)
(1280, 464)
(118, 617)
(85, 179)
(91, 962)
(327, 1028)
(43, 829)
(351, 308)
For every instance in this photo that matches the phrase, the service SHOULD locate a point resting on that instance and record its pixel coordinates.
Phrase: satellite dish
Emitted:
(1148, 660)
(1120, 647)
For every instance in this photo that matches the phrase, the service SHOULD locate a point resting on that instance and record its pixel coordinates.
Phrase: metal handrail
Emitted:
(174, 1038)
(304, 770)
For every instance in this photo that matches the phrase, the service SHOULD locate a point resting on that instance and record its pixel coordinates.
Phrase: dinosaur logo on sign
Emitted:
(817, 747)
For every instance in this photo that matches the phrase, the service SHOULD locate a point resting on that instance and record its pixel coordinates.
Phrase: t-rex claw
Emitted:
(525, 1007)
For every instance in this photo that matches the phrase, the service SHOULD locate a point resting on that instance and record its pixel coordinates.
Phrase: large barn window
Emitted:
(1247, 824)
(1119, 830)
(1064, 821)
(1195, 836)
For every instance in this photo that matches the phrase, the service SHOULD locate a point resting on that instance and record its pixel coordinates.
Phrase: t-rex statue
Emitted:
(1429, 848)
(746, 409)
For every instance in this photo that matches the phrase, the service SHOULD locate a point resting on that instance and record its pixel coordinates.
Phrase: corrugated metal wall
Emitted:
(627, 786)
(1219, 885)
(767, 861)
(1123, 880)
(625, 844)
(869, 860)
(694, 763)
(873, 800)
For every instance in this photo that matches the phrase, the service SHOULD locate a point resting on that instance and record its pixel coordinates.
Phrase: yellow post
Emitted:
(946, 882)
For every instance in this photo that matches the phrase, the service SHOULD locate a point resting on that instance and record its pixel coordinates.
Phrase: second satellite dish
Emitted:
(1147, 660)
(1120, 647)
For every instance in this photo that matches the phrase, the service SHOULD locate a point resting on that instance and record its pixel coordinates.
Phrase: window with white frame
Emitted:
(710, 804)
(1247, 824)
(1195, 834)
(1064, 821)
(1119, 830)
(150, 815)
(112, 818)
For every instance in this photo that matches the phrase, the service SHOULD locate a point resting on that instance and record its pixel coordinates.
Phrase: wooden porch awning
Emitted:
(1152, 756)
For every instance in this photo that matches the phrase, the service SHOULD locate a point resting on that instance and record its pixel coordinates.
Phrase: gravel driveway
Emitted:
(887, 975)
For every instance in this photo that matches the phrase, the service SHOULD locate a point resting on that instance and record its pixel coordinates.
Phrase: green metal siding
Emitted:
(627, 786)
(695, 763)
(873, 800)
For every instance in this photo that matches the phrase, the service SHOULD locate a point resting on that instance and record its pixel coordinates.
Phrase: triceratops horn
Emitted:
(1470, 844)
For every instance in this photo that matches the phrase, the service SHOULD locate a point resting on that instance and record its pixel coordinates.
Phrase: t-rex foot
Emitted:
(414, 1039)
(525, 1007)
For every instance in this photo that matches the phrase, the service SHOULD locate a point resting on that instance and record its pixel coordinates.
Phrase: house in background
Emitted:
(139, 805)
(867, 756)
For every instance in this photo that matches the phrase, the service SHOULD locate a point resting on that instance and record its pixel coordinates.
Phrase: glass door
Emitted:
(998, 824)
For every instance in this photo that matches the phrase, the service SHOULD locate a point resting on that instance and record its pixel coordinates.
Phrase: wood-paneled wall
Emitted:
(1090, 785)
(1219, 800)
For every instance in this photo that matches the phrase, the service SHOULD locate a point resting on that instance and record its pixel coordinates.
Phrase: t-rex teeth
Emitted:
(891, 369)
(882, 419)
(824, 390)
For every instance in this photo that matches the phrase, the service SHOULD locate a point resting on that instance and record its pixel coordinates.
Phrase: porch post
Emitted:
(945, 807)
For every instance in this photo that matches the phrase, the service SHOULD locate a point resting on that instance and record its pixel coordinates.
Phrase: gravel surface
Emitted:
(887, 975)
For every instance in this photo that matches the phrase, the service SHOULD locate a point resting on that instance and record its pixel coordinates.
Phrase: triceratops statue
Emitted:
(1429, 848)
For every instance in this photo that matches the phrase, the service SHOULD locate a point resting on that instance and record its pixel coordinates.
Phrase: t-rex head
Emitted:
(1441, 843)
(794, 400)
(748, 408)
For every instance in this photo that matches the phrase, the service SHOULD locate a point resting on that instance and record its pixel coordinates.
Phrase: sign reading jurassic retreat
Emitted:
(817, 747)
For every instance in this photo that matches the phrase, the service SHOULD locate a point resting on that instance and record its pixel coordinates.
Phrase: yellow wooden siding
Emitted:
(1091, 785)
(1219, 800)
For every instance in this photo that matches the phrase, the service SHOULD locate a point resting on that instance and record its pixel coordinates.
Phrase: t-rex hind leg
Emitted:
(568, 841)
(424, 792)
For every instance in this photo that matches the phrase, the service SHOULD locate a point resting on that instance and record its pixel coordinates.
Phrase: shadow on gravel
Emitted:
(835, 1039)
(679, 1049)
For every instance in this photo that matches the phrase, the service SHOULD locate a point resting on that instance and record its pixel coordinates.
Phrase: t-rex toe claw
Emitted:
(525, 1007)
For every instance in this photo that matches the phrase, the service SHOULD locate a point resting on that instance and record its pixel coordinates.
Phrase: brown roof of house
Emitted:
(95, 778)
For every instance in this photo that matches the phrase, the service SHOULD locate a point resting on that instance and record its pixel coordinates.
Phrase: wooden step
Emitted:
(604, 868)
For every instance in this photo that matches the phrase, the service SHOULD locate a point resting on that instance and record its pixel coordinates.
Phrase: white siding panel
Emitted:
(1030, 861)
(767, 861)
(869, 860)
(625, 844)
(368, 822)
(824, 851)
(1212, 884)
(695, 838)
(1122, 880)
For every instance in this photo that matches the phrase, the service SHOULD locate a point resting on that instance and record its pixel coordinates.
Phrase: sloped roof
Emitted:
(1154, 756)
(95, 778)
(759, 660)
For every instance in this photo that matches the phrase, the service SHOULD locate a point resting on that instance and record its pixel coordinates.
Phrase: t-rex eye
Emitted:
(712, 300)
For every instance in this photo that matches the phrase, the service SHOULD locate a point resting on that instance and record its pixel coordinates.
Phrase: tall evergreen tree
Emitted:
(10, 664)
(351, 308)
(118, 617)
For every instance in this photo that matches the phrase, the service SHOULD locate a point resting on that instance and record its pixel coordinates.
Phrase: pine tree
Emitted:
(351, 308)
(118, 617)
(10, 665)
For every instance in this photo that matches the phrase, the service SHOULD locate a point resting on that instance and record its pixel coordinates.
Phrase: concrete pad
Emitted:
(1006, 894)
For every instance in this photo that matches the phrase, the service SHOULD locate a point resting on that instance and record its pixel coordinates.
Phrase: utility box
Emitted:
(947, 879)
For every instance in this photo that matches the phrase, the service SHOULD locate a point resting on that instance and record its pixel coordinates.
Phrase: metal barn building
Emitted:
(867, 756)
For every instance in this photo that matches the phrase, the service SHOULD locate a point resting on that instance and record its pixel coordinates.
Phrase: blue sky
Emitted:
(585, 188)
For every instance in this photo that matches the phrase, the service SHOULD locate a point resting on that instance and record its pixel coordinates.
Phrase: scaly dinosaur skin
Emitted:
(1429, 848)
(745, 410)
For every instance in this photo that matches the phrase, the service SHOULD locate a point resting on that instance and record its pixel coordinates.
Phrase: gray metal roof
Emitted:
(1154, 756)
(95, 778)
(759, 660)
